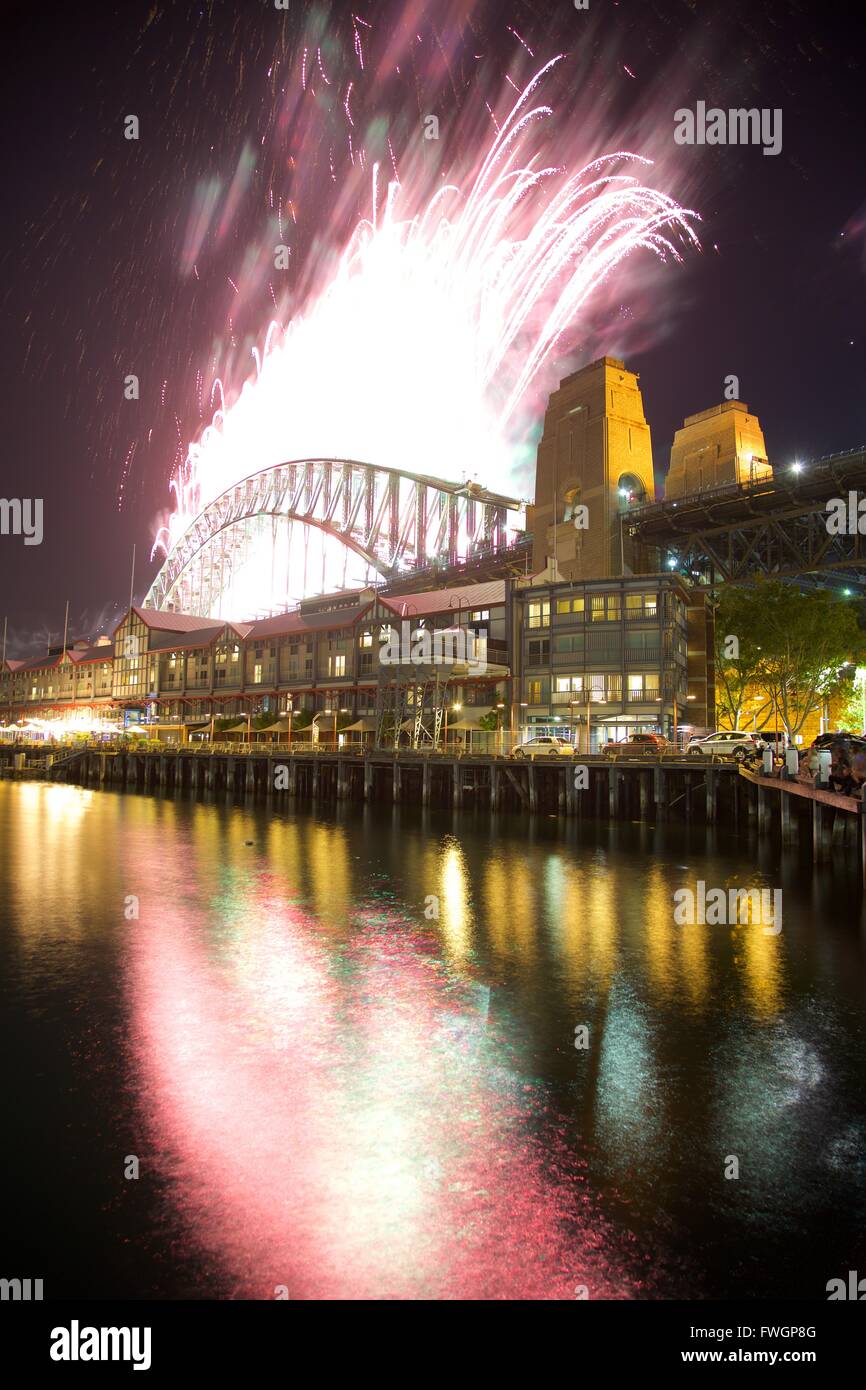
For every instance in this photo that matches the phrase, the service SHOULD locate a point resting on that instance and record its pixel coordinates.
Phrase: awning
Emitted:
(470, 720)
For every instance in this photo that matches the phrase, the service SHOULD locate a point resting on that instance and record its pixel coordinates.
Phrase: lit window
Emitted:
(539, 614)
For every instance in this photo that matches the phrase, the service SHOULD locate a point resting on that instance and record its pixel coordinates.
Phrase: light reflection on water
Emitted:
(345, 1052)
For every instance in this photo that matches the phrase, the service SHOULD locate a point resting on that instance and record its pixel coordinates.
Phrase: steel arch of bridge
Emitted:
(395, 521)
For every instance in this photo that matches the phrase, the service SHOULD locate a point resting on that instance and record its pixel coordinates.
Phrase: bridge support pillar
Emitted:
(457, 785)
(659, 792)
(611, 791)
(712, 795)
(368, 779)
(396, 787)
(533, 791)
(425, 783)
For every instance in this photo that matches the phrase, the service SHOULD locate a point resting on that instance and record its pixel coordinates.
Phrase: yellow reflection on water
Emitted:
(510, 894)
(581, 916)
(54, 858)
(455, 905)
(328, 873)
(759, 963)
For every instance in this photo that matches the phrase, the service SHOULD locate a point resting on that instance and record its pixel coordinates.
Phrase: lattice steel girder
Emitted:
(786, 545)
(396, 521)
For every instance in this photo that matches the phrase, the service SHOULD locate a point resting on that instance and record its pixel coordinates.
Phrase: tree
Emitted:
(800, 647)
(738, 618)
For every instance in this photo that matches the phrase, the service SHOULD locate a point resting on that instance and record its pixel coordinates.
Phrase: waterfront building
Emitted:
(75, 682)
(173, 674)
(598, 660)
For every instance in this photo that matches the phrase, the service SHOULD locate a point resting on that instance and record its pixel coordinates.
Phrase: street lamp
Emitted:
(457, 707)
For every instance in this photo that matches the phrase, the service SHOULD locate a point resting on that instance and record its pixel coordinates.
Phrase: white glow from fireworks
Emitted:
(435, 325)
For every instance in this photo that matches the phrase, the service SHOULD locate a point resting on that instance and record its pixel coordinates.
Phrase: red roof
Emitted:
(470, 596)
(298, 622)
(105, 652)
(203, 637)
(162, 621)
(37, 663)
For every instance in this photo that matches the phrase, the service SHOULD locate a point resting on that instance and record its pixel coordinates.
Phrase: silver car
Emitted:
(543, 747)
(727, 743)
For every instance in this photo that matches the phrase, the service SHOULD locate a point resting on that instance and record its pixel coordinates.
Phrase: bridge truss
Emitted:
(393, 523)
(775, 527)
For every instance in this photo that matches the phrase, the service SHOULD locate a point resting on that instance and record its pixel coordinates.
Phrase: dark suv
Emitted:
(639, 743)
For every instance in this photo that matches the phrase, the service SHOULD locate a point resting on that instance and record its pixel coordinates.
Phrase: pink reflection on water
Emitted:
(340, 1117)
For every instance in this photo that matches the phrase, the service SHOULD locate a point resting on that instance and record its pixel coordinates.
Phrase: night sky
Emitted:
(140, 256)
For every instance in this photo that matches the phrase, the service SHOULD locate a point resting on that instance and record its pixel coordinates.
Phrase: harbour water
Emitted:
(258, 1052)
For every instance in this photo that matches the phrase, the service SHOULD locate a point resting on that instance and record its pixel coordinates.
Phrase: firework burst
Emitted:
(426, 338)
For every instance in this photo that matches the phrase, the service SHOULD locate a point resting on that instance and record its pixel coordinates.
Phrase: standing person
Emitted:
(858, 769)
(841, 780)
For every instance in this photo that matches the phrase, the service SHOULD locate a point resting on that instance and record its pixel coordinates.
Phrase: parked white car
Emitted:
(543, 747)
(731, 743)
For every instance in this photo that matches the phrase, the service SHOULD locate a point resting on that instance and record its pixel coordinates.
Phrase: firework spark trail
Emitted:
(422, 343)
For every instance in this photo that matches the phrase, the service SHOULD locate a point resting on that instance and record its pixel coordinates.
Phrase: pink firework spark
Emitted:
(437, 324)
